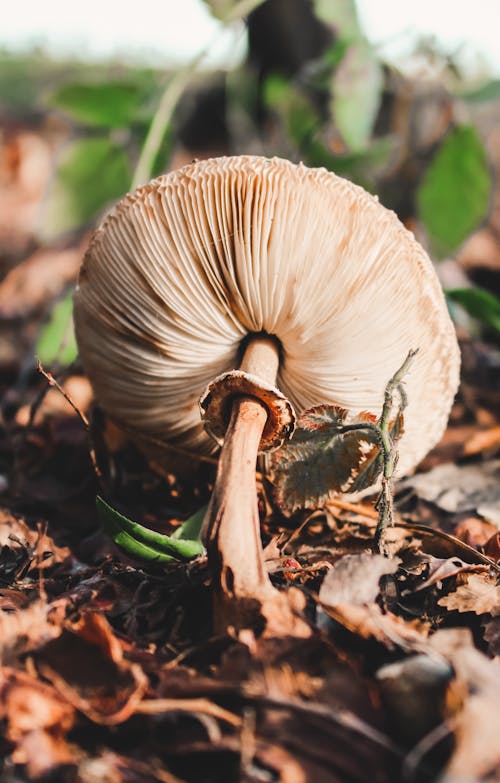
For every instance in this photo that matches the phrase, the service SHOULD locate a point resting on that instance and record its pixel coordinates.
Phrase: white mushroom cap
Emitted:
(185, 268)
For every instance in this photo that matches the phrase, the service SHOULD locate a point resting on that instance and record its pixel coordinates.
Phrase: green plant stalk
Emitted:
(384, 504)
(171, 97)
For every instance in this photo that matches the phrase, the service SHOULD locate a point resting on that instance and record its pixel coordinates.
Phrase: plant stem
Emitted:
(385, 503)
(172, 94)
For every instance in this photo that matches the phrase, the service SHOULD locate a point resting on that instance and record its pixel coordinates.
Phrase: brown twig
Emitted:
(56, 385)
(204, 706)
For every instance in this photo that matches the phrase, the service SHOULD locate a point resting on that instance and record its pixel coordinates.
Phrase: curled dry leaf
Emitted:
(354, 579)
(87, 667)
(348, 594)
(28, 629)
(36, 720)
(480, 595)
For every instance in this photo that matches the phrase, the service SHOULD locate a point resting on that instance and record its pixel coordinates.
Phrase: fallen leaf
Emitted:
(479, 595)
(474, 531)
(492, 636)
(27, 629)
(354, 579)
(441, 569)
(36, 720)
(457, 488)
(87, 667)
(475, 725)
(38, 279)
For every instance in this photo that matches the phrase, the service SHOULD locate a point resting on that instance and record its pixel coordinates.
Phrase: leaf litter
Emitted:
(110, 669)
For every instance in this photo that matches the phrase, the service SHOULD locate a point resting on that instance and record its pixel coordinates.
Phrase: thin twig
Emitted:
(56, 385)
(362, 511)
(204, 706)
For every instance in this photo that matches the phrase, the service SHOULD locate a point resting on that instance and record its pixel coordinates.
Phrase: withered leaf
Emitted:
(322, 459)
(354, 579)
(480, 595)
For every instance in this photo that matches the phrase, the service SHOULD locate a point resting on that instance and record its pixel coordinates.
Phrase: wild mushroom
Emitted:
(293, 275)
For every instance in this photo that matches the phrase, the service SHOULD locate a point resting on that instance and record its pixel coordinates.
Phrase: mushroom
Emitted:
(295, 277)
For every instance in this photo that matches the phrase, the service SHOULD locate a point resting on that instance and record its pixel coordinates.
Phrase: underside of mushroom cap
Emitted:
(185, 268)
(215, 407)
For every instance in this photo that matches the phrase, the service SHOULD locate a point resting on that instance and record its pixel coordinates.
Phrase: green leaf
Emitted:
(487, 92)
(297, 114)
(479, 304)
(322, 458)
(108, 105)
(454, 196)
(90, 174)
(56, 341)
(356, 94)
(140, 541)
(191, 527)
(228, 11)
(341, 14)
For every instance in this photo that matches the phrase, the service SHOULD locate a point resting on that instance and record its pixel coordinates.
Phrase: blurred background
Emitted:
(403, 99)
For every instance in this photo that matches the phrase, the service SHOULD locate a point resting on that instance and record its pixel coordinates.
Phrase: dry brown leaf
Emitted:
(30, 628)
(389, 629)
(38, 279)
(483, 440)
(354, 579)
(444, 568)
(87, 667)
(475, 726)
(479, 595)
(36, 720)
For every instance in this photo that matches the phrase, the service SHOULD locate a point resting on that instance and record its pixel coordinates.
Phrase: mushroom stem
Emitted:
(231, 528)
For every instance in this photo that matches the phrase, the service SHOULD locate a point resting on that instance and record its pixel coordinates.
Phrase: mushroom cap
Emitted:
(182, 270)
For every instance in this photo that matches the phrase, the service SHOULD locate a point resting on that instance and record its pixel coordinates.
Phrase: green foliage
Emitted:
(143, 543)
(56, 341)
(487, 92)
(231, 10)
(479, 304)
(90, 173)
(454, 196)
(356, 93)
(341, 14)
(191, 527)
(107, 104)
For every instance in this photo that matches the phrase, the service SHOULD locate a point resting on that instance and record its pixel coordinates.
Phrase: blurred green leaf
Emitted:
(109, 105)
(297, 113)
(56, 341)
(341, 14)
(356, 93)
(487, 92)
(231, 10)
(454, 196)
(479, 304)
(140, 541)
(90, 173)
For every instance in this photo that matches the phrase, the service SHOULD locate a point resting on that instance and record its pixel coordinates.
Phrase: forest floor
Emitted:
(110, 670)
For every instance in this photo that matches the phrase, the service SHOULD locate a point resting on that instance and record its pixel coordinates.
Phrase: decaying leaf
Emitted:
(36, 720)
(326, 456)
(475, 725)
(354, 579)
(480, 595)
(87, 667)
